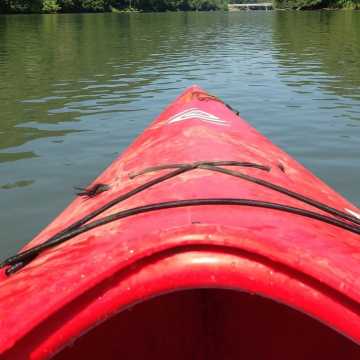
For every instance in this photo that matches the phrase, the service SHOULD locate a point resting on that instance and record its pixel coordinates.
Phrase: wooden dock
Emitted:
(254, 6)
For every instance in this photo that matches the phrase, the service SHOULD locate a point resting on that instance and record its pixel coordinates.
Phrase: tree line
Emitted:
(316, 4)
(53, 6)
(50, 6)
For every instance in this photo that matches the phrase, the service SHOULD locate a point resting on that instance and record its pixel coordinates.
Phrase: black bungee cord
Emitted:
(20, 260)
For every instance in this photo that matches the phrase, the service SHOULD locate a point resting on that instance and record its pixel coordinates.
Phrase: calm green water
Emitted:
(76, 89)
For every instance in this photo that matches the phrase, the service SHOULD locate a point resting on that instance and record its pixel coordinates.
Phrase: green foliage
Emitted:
(171, 5)
(297, 4)
(84, 5)
(316, 4)
(23, 6)
(47, 6)
(346, 4)
(50, 6)
(207, 4)
(96, 5)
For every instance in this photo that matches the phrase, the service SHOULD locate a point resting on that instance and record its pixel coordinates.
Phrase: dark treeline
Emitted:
(316, 4)
(48, 6)
(53, 6)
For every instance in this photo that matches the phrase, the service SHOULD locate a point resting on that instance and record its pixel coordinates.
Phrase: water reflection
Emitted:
(321, 49)
(20, 183)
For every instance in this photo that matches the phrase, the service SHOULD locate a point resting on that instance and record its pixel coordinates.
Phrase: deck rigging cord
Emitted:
(339, 218)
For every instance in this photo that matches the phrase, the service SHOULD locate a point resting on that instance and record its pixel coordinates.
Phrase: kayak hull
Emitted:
(299, 262)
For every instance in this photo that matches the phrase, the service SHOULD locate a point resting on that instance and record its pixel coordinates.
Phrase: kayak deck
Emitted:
(95, 277)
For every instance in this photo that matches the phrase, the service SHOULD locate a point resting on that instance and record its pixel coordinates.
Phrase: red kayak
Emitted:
(203, 240)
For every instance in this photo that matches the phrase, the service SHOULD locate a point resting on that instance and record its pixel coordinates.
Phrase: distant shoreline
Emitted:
(104, 6)
(53, 7)
(175, 11)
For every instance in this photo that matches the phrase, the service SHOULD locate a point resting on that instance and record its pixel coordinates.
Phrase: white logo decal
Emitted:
(194, 113)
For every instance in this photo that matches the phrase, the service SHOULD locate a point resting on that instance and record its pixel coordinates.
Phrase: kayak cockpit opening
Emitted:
(211, 324)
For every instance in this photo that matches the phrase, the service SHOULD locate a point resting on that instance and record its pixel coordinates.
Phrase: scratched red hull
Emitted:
(195, 282)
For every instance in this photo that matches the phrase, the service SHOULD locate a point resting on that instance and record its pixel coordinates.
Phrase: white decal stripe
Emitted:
(194, 113)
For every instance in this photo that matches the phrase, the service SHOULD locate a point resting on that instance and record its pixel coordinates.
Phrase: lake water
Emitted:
(76, 89)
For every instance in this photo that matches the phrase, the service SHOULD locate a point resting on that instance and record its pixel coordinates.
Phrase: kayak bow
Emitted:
(203, 240)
